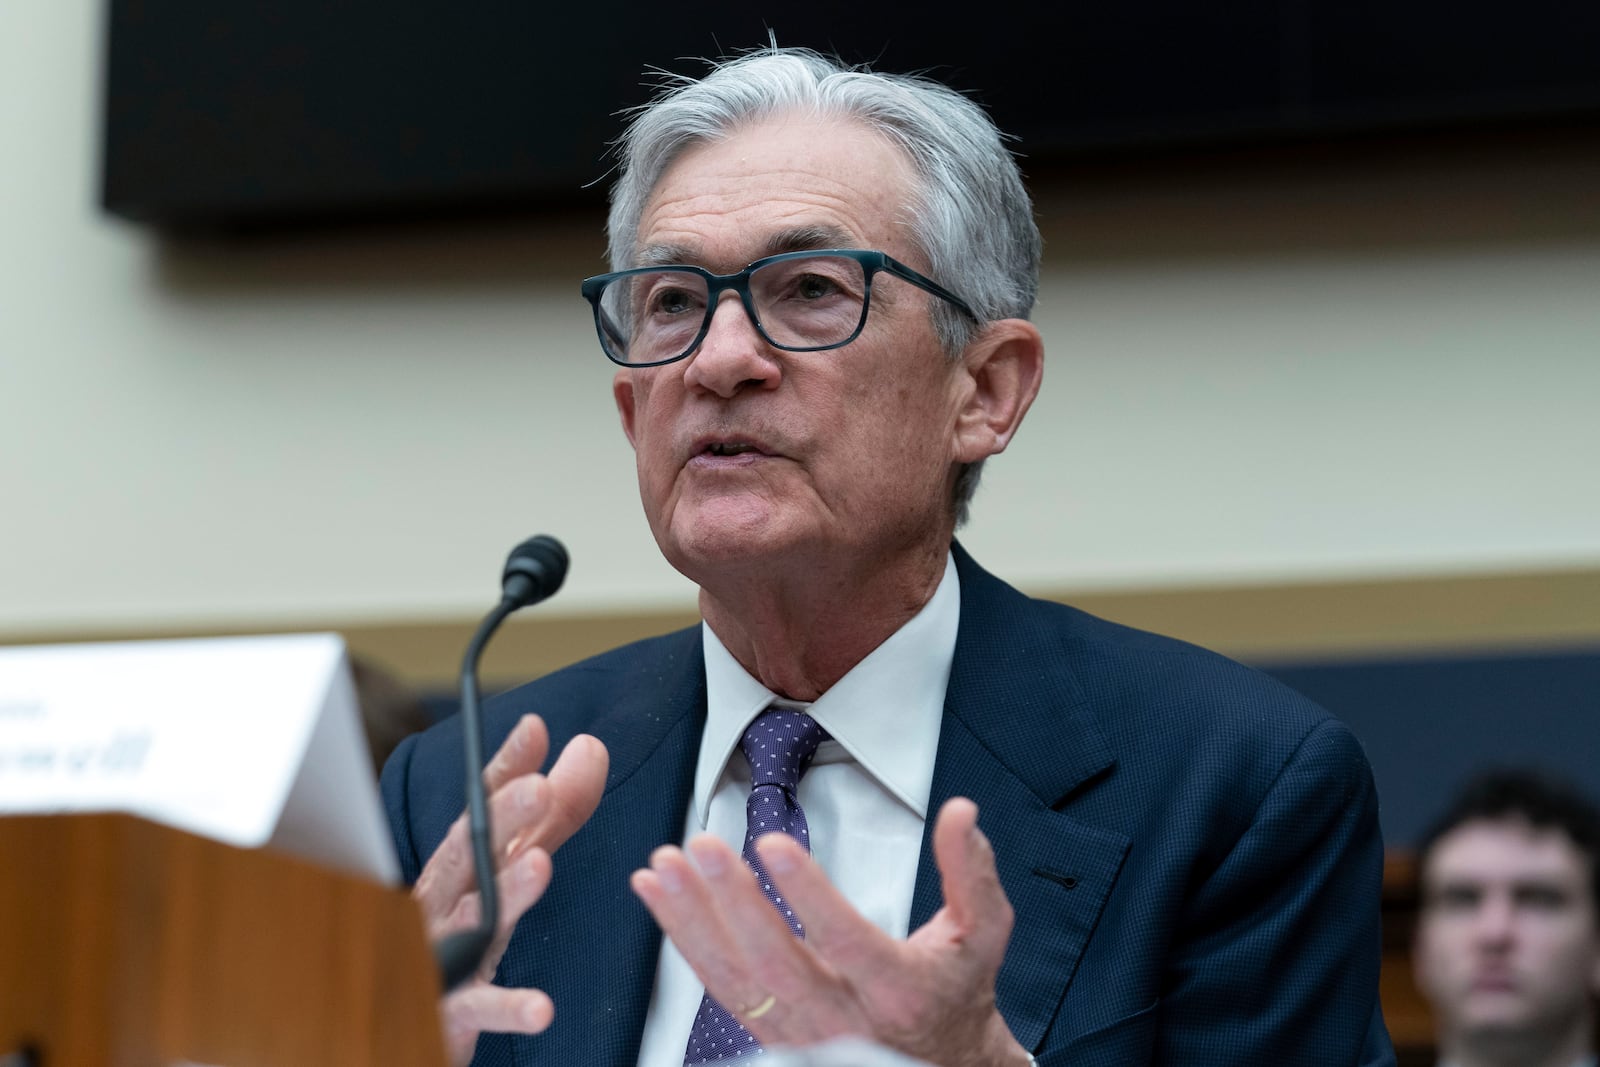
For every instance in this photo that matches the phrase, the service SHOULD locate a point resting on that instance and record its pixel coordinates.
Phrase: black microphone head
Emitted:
(534, 570)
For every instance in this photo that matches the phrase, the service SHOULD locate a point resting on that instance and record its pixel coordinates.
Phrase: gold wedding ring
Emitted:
(761, 1009)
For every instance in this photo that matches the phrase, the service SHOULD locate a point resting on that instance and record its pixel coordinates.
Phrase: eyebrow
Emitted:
(796, 239)
(1479, 883)
(663, 256)
(806, 238)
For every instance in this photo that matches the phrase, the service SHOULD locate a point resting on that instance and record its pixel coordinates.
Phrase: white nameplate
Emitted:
(247, 740)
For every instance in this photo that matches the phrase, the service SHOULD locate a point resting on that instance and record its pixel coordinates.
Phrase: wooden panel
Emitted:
(1492, 611)
(126, 943)
(137, 945)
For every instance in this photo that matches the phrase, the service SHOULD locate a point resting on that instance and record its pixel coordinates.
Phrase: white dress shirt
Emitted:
(865, 796)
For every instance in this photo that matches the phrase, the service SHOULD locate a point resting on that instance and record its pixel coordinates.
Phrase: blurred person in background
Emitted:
(1508, 941)
(391, 710)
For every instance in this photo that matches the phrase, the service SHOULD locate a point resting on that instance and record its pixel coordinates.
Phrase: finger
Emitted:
(449, 872)
(974, 900)
(529, 811)
(835, 930)
(784, 993)
(451, 875)
(446, 876)
(520, 884)
(543, 811)
(678, 898)
(522, 752)
(761, 929)
(576, 784)
(480, 1007)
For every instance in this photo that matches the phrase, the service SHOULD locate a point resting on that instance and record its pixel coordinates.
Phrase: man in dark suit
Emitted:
(819, 314)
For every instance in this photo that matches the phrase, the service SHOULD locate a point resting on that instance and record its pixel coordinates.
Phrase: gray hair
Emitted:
(972, 218)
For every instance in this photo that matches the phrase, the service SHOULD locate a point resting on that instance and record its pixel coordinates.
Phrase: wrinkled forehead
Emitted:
(789, 182)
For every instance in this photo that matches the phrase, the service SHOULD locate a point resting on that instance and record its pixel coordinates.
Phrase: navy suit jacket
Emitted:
(1192, 849)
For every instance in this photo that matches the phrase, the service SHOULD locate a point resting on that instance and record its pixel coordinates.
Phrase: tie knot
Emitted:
(780, 745)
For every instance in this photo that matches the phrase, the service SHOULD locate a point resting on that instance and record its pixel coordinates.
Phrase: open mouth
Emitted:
(730, 448)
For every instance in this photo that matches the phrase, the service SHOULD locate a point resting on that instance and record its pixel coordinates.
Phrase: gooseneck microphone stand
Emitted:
(533, 572)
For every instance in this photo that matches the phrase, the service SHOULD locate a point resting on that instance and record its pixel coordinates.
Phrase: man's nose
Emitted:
(733, 355)
(1496, 920)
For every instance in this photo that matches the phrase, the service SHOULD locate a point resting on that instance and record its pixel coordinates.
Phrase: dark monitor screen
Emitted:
(257, 111)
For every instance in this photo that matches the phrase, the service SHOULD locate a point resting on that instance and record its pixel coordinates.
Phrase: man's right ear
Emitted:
(622, 392)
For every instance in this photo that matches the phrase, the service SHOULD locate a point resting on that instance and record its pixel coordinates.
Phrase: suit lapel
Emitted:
(1017, 739)
(596, 945)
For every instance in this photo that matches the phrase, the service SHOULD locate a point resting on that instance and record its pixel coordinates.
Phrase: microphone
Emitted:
(533, 572)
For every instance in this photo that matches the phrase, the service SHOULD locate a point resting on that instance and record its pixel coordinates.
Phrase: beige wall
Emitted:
(1334, 366)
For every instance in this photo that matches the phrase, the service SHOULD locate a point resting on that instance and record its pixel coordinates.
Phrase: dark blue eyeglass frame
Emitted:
(872, 262)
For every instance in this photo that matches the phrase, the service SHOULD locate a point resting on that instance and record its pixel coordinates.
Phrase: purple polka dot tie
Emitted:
(780, 745)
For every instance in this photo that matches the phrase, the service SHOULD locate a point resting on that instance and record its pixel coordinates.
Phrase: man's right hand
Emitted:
(531, 814)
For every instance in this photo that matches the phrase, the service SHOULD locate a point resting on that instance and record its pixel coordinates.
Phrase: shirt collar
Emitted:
(885, 712)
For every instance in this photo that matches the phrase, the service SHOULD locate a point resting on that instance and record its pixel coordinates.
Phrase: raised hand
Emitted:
(531, 815)
(931, 995)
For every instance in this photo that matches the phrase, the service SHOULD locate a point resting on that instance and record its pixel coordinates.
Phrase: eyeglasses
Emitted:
(798, 301)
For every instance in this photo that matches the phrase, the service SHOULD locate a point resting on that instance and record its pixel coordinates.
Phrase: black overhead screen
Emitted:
(255, 112)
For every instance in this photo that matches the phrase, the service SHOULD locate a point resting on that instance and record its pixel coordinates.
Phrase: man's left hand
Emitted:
(931, 995)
